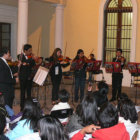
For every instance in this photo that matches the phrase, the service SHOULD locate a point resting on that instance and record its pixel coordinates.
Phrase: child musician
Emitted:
(117, 77)
(25, 73)
(80, 74)
(56, 72)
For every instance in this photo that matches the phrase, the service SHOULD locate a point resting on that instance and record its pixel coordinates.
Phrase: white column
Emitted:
(59, 26)
(22, 24)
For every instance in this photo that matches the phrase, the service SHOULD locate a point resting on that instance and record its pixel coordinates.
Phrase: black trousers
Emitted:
(25, 87)
(79, 84)
(116, 85)
(56, 81)
(9, 96)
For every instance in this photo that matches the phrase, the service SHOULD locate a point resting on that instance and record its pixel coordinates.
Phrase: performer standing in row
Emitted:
(7, 79)
(80, 75)
(56, 72)
(25, 73)
(117, 77)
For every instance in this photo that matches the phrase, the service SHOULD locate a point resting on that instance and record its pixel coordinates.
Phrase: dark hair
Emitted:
(2, 102)
(103, 88)
(78, 52)
(123, 96)
(51, 129)
(2, 123)
(88, 111)
(63, 95)
(54, 55)
(31, 113)
(127, 110)
(118, 49)
(27, 47)
(92, 54)
(3, 51)
(108, 115)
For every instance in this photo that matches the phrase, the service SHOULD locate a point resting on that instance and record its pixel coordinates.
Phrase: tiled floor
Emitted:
(44, 94)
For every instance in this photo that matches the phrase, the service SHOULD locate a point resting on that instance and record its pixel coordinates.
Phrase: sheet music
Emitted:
(41, 75)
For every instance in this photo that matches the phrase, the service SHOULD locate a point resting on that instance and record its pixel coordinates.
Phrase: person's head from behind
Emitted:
(2, 123)
(5, 53)
(63, 96)
(123, 96)
(103, 88)
(127, 110)
(27, 49)
(88, 111)
(51, 129)
(108, 115)
(31, 113)
(2, 102)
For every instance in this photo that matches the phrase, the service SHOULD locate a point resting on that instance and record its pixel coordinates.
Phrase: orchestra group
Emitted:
(95, 117)
(28, 64)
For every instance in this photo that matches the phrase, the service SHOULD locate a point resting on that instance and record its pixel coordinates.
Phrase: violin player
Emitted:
(7, 79)
(25, 71)
(56, 72)
(80, 74)
(117, 77)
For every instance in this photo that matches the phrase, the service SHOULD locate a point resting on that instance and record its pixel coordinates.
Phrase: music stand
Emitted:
(134, 69)
(113, 67)
(40, 80)
(96, 68)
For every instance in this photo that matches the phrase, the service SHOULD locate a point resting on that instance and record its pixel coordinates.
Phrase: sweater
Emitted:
(117, 132)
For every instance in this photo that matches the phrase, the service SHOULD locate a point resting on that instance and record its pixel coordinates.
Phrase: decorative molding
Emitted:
(126, 79)
(8, 14)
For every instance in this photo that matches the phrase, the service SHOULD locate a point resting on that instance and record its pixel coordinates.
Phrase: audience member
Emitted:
(2, 127)
(128, 116)
(63, 97)
(86, 114)
(101, 94)
(28, 122)
(5, 109)
(51, 129)
(110, 128)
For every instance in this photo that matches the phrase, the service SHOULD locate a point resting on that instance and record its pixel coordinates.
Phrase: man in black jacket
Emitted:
(7, 79)
(25, 73)
(117, 76)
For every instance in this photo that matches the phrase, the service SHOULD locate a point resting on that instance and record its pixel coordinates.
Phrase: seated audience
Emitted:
(86, 114)
(28, 122)
(110, 128)
(63, 104)
(101, 94)
(51, 129)
(63, 97)
(5, 109)
(2, 127)
(128, 116)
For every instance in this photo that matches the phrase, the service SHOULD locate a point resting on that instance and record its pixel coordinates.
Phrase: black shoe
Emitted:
(112, 99)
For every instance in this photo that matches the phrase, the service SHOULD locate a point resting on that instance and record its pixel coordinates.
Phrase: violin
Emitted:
(78, 64)
(12, 63)
(65, 59)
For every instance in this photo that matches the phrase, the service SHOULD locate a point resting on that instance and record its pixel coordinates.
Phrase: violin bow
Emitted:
(90, 53)
(65, 50)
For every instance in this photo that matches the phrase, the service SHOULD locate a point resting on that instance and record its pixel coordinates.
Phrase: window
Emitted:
(117, 29)
(5, 35)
